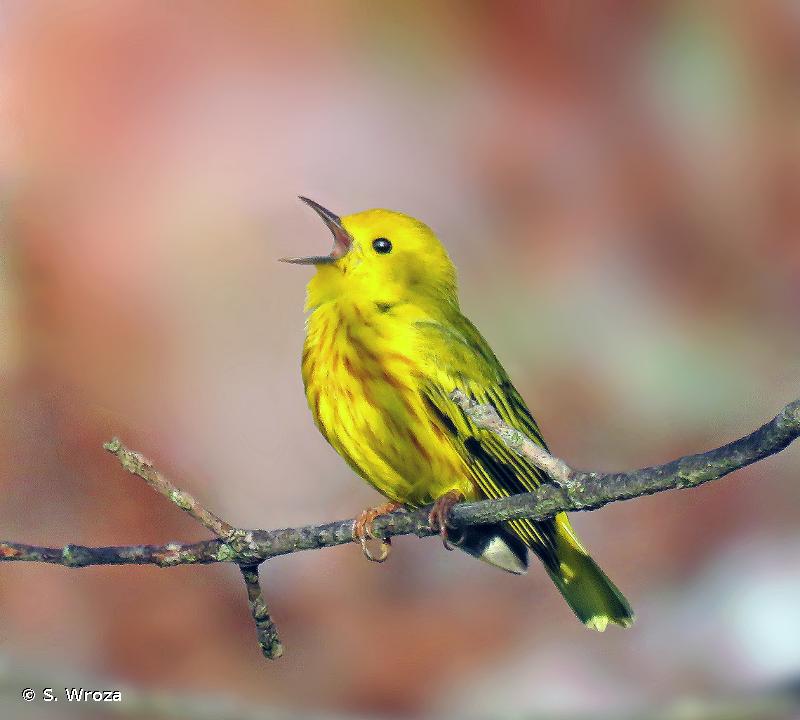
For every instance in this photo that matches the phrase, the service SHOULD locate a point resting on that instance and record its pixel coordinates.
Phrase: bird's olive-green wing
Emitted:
(462, 359)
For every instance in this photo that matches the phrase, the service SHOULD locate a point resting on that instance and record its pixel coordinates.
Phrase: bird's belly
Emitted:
(377, 422)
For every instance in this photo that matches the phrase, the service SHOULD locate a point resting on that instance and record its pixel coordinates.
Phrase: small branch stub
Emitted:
(266, 632)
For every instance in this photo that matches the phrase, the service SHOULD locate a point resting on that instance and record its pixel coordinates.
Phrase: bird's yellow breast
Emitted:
(362, 369)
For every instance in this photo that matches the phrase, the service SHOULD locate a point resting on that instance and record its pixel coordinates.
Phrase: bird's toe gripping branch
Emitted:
(440, 515)
(363, 531)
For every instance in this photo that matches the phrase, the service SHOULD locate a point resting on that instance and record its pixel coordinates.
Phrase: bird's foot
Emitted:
(440, 512)
(362, 530)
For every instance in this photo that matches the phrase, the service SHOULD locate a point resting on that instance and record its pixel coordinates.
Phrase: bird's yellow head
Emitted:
(382, 257)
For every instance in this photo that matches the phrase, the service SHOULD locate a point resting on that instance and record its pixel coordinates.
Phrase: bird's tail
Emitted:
(586, 588)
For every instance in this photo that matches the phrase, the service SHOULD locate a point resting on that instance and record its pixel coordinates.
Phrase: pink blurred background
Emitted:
(618, 185)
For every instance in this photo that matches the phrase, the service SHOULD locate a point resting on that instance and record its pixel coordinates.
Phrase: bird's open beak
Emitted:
(342, 240)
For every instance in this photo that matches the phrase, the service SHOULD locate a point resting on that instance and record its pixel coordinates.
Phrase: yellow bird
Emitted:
(386, 344)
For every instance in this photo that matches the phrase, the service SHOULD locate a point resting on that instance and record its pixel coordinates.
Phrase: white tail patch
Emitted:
(597, 622)
(499, 554)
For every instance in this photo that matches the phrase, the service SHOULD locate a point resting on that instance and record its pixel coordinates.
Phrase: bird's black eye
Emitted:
(382, 246)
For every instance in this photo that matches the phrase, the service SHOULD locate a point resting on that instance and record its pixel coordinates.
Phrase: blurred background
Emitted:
(619, 186)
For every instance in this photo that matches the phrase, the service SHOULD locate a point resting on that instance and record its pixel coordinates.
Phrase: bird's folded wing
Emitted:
(463, 360)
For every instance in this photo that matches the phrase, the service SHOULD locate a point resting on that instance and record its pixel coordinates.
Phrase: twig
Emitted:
(137, 464)
(266, 631)
(575, 490)
(486, 416)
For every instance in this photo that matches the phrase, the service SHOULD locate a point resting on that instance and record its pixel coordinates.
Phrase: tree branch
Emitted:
(572, 490)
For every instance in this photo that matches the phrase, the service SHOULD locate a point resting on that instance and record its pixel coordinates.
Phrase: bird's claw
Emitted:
(363, 532)
(440, 513)
(385, 548)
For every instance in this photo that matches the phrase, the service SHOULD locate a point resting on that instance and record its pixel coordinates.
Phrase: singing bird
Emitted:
(386, 343)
